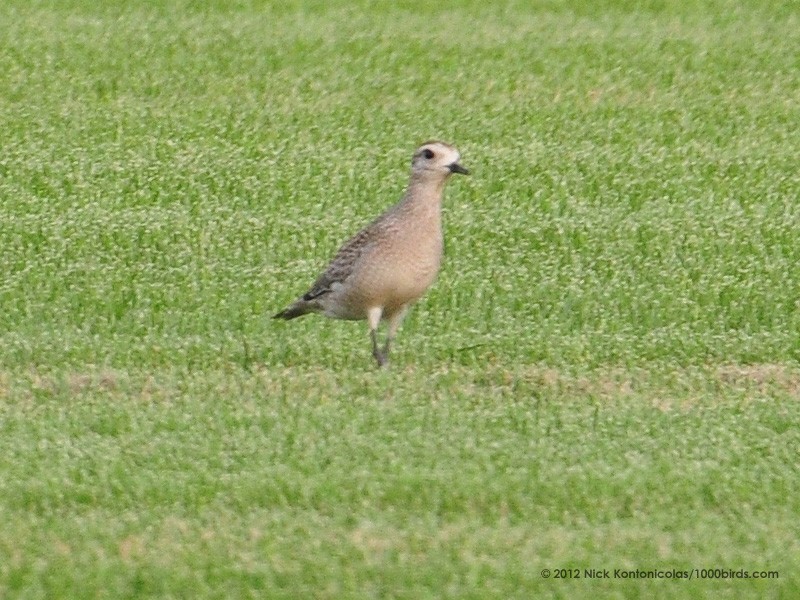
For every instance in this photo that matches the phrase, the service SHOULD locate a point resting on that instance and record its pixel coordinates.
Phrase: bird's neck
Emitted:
(425, 193)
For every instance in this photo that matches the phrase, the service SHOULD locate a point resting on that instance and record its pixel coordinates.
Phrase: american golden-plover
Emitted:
(388, 265)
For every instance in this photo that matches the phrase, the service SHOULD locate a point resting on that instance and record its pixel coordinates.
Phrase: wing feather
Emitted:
(343, 263)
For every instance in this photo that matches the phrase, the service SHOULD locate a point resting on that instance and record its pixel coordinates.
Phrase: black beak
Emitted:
(457, 168)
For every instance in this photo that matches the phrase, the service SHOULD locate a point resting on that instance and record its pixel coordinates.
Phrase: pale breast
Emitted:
(399, 271)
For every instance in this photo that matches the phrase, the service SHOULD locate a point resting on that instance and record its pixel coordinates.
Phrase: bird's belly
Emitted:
(394, 283)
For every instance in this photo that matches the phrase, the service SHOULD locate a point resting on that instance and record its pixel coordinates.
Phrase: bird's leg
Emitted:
(394, 324)
(374, 318)
(380, 355)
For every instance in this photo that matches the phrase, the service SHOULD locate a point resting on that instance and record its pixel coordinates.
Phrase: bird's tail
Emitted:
(298, 309)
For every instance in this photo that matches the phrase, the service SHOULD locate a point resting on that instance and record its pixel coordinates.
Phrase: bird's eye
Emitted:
(427, 153)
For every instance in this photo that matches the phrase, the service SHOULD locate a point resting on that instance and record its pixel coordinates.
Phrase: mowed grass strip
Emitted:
(233, 483)
(172, 175)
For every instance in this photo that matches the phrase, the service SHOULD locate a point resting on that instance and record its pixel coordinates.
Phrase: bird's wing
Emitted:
(343, 264)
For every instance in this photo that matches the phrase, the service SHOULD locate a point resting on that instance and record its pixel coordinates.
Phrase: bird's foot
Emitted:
(382, 357)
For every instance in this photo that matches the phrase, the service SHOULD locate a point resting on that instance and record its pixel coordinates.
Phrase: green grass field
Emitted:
(605, 376)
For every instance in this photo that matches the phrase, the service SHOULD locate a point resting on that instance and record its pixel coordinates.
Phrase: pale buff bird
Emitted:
(388, 265)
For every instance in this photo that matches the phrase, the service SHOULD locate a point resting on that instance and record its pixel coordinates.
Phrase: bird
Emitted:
(387, 266)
